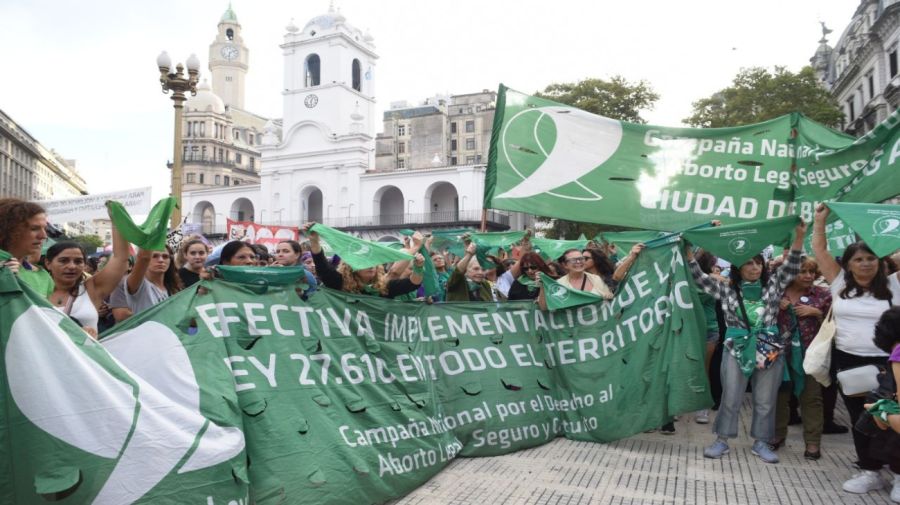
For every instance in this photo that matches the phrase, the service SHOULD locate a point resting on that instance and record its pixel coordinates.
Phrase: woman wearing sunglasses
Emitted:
(526, 285)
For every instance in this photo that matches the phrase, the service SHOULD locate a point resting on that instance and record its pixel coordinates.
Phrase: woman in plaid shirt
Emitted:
(754, 352)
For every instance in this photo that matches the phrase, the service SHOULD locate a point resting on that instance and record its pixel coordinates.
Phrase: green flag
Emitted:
(263, 276)
(559, 297)
(738, 243)
(550, 249)
(152, 234)
(356, 252)
(877, 224)
(556, 160)
(91, 428)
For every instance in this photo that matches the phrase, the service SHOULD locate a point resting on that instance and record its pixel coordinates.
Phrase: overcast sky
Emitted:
(81, 76)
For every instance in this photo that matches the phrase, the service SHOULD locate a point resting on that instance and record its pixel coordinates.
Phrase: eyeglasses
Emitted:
(529, 267)
(587, 258)
(575, 260)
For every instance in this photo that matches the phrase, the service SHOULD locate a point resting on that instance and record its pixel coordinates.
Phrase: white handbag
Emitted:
(817, 361)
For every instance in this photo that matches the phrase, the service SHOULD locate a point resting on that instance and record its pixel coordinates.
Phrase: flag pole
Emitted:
(483, 220)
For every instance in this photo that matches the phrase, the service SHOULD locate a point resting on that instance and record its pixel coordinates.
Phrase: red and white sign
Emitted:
(269, 236)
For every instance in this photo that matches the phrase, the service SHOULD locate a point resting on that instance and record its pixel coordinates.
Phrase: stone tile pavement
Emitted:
(653, 469)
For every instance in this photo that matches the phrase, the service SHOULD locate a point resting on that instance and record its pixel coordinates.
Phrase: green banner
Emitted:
(356, 252)
(877, 225)
(559, 297)
(738, 243)
(150, 235)
(559, 161)
(337, 399)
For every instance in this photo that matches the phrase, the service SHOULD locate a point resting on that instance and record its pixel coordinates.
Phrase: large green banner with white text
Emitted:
(251, 393)
(559, 161)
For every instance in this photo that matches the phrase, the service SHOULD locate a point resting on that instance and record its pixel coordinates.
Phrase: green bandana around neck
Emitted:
(751, 291)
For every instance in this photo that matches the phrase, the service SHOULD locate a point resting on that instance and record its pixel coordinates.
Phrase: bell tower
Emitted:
(228, 59)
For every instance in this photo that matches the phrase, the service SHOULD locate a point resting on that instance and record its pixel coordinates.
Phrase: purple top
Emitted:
(895, 355)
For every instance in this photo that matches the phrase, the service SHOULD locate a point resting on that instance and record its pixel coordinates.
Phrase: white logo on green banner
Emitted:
(559, 292)
(578, 143)
(887, 226)
(738, 245)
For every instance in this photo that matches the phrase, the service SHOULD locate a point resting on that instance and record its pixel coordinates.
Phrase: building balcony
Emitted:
(215, 162)
(461, 218)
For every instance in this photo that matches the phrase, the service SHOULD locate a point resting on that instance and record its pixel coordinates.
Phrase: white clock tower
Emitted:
(228, 58)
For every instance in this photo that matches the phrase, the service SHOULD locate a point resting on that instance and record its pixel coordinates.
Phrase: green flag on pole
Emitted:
(878, 225)
(151, 235)
(738, 243)
(356, 252)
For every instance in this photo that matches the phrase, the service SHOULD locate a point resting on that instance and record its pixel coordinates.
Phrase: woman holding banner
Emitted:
(22, 233)
(750, 302)
(861, 292)
(367, 281)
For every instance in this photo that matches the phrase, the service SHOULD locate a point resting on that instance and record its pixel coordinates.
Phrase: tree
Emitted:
(89, 242)
(616, 98)
(757, 95)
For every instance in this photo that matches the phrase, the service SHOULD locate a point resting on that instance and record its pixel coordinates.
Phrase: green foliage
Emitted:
(89, 242)
(615, 98)
(757, 95)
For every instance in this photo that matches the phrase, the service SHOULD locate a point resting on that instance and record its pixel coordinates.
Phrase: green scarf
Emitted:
(793, 372)
(367, 289)
(751, 291)
(528, 283)
(884, 408)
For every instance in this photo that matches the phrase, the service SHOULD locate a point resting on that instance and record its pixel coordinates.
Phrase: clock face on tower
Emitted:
(311, 101)
(230, 52)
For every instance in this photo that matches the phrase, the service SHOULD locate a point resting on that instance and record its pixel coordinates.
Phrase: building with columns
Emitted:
(319, 160)
(862, 70)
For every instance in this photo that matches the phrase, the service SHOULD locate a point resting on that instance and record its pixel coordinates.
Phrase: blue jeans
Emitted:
(765, 398)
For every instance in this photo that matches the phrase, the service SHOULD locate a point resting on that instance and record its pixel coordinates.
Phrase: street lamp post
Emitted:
(178, 85)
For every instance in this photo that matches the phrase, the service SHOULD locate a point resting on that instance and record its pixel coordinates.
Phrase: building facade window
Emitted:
(227, 181)
(453, 144)
(477, 158)
(238, 158)
(470, 160)
(892, 62)
(470, 144)
(252, 162)
(201, 179)
(470, 126)
(356, 71)
(237, 135)
(190, 177)
(401, 163)
(202, 128)
(312, 69)
(401, 130)
(218, 180)
(870, 79)
(851, 110)
(453, 160)
(453, 127)
(401, 147)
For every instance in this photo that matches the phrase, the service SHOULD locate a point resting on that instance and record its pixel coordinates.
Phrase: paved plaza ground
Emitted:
(651, 469)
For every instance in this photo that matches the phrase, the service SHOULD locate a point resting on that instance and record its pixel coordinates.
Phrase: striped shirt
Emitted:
(771, 296)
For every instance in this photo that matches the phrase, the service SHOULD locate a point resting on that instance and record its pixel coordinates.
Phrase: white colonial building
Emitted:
(318, 164)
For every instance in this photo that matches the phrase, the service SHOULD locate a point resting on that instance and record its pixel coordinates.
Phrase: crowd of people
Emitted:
(760, 317)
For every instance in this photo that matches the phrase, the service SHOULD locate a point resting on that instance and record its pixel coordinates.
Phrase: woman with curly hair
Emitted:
(21, 235)
(367, 281)
(153, 279)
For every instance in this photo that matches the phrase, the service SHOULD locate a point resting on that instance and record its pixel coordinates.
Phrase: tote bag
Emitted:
(817, 361)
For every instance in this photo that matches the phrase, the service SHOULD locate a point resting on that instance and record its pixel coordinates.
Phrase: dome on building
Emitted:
(229, 16)
(326, 21)
(205, 100)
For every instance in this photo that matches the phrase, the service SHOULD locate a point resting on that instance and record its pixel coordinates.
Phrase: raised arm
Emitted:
(827, 264)
(329, 276)
(136, 277)
(704, 281)
(106, 280)
(625, 265)
(463, 264)
(789, 270)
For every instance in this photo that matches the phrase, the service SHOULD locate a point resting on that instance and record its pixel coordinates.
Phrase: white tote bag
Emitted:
(817, 361)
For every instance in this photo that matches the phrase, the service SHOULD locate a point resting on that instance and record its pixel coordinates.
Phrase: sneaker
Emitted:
(863, 482)
(895, 491)
(702, 417)
(718, 449)
(764, 451)
(667, 429)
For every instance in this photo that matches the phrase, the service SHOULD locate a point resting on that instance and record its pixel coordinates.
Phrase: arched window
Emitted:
(357, 77)
(230, 34)
(313, 70)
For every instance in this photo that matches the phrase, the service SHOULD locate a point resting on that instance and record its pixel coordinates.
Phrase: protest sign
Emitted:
(253, 233)
(335, 399)
(85, 208)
